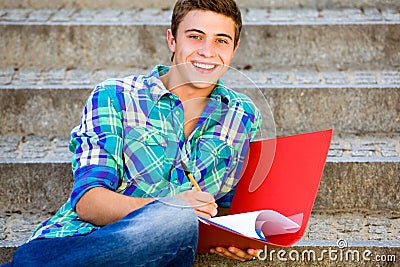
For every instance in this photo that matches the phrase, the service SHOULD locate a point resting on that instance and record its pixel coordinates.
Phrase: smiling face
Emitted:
(203, 48)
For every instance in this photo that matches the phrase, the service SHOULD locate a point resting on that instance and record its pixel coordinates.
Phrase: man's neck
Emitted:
(194, 99)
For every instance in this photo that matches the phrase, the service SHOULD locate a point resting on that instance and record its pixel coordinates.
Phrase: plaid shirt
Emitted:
(131, 140)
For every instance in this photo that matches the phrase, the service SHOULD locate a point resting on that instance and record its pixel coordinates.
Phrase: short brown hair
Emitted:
(228, 8)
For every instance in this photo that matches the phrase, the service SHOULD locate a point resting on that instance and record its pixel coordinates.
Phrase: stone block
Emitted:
(104, 4)
(6, 75)
(297, 103)
(282, 41)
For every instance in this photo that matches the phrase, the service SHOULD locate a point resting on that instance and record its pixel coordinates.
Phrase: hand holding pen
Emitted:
(203, 203)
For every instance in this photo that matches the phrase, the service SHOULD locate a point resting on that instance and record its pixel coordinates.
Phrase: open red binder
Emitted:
(289, 188)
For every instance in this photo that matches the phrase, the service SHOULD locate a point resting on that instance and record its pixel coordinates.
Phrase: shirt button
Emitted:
(175, 181)
(177, 113)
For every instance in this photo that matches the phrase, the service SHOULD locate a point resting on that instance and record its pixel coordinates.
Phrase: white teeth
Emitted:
(203, 66)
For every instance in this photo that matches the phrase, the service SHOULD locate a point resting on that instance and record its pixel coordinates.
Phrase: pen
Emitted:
(190, 176)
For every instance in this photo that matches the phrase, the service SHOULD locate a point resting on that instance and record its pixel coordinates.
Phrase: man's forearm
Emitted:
(101, 206)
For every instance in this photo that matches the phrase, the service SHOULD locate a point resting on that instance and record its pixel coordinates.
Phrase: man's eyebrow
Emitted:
(195, 30)
(225, 35)
(201, 32)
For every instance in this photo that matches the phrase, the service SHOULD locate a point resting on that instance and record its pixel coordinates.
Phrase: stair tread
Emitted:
(362, 228)
(161, 16)
(37, 4)
(63, 78)
(348, 148)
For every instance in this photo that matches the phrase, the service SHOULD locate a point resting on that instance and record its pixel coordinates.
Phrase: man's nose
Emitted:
(207, 49)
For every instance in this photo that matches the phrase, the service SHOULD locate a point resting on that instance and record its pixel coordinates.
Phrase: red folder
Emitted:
(289, 186)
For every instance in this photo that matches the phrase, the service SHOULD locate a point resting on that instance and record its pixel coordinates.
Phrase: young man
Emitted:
(131, 203)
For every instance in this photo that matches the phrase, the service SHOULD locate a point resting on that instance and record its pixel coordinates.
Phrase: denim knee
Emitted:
(170, 218)
(181, 231)
(180, 215)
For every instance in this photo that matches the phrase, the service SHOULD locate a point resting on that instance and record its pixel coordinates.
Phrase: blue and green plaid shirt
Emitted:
(131, 140)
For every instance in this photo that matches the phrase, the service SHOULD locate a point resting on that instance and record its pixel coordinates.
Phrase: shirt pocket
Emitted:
(144, 151)
(213, 155)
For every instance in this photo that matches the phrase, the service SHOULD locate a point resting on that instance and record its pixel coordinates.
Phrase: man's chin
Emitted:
(203, 84)
(206, 80)
(189, 74)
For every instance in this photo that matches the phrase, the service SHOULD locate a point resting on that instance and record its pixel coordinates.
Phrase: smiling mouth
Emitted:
(204, 66)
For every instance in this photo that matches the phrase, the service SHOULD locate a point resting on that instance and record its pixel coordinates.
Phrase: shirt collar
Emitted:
(220, 92)
(154, 83)
(157, 88)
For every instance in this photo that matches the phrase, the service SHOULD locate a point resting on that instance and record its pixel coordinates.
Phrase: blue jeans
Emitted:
(162, 233)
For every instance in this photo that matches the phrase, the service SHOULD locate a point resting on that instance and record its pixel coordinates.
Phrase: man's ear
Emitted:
(171, 41)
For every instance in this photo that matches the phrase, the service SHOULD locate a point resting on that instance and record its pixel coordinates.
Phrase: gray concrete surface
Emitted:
(101, 4)
(361, 173)
(326, 39)
(319, 63)
(49, 102)
(354, 232)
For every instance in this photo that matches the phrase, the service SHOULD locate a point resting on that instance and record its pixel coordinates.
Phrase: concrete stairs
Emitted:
(318, 64)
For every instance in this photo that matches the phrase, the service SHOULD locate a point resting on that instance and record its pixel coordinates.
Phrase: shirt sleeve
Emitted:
(97, 143)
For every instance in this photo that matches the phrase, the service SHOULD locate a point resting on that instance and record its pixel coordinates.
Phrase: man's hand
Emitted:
(235, 253)
(203, 203)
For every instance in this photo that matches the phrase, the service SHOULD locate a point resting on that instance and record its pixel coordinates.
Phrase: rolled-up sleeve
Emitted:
(97, 143)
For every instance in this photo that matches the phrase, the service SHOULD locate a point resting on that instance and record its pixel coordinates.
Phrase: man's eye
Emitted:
(194, 36)
(222, 41)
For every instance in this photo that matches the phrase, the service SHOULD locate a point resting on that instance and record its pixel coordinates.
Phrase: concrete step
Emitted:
(338, 39)
(35, 174)
(128, 4)
(49, 102)
(344, 236)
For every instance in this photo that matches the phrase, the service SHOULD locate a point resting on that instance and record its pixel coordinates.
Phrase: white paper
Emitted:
(268, 221)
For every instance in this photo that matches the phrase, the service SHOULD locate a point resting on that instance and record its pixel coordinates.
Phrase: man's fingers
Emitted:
(205, 203)
(210, 210)
(205, 197)
(228, 254)
(235, 253)
(202, 202)
(240, 253)
(203, 214)
(254, 252)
